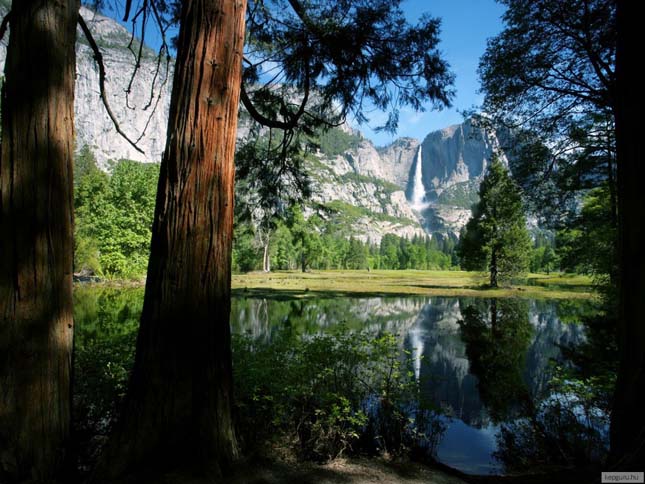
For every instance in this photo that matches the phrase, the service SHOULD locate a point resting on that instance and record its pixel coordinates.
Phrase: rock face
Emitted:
(438, 178)
(372, 186)
(139, 103)
(454, 161)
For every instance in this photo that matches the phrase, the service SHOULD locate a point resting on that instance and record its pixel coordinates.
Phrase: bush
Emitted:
(340, 392)
(333, 393)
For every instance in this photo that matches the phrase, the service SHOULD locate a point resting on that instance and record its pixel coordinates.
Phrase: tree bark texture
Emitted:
(628, 417)
(36, 240)
(177, 413)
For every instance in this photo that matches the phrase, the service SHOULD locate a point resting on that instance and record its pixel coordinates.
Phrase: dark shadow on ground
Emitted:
(290, 294)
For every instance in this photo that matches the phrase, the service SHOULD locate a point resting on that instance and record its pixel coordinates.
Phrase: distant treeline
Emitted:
(314, 244)
(114, 213)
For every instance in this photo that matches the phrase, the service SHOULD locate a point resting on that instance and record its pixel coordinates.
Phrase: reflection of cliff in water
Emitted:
(261, 318)
(550, 334)
(430, 331)
(444, 368)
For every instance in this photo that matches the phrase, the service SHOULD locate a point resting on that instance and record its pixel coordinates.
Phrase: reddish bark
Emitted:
(177, 414)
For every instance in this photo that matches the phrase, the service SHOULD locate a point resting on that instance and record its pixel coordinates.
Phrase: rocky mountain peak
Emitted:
(373, 184)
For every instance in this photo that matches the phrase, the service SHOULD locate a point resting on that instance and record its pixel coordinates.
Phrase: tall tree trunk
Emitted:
(493, 267)
(628, 418)
(36, 240)
(266, 259)
(177, 413)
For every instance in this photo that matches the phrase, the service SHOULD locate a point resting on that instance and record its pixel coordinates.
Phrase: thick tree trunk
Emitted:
(628, 418)
(36, 244)
(177, 413)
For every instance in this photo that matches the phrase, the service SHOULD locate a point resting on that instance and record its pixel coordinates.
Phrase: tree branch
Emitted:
(98, 57)
(128, 5)
(4, 24)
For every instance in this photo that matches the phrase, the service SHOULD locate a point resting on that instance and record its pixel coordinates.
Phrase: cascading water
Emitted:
(417, 340)
(418, 197)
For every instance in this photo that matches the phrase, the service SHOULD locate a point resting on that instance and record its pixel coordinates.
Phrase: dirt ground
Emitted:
(342, 471)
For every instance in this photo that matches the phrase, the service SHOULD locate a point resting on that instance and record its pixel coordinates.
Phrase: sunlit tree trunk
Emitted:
(628, 417)
(177, 413)
(36, 245)
(266, 258)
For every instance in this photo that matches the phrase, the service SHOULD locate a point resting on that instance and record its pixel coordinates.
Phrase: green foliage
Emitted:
(283, 253)
(339, 392)
(306, 237)
(565, 425)
(334, 141)
(246, 255)
(106, 326)
(333, 393)
(347, 215)
(357, 253)
(113, 216)
(349, 52)
(562, 100)
(463, 195)
(567, 429)
(384, 186)
(544, 259)
(496, 237)
(587, 244)
(319, 244)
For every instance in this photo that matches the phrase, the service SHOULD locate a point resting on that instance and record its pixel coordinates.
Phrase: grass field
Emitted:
(429, 283)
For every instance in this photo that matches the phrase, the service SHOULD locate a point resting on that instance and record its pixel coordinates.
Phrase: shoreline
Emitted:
(390, 283)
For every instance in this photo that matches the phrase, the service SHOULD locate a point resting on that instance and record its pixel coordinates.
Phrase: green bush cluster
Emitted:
(332, 393)
(114, 214)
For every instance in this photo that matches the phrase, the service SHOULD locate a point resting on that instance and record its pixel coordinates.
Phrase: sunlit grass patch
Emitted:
(412, 282)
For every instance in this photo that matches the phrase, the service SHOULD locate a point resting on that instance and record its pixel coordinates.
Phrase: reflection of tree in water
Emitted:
(497, 339)
(546, 424)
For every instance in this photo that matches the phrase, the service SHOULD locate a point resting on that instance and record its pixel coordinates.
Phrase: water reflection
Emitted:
(483, 362)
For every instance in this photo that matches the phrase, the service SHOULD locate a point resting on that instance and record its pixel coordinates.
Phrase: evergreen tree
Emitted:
(495, 237)
(389, 251)
(356, 255)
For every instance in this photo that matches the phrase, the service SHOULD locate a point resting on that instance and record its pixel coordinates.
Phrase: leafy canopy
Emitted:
(550, 75)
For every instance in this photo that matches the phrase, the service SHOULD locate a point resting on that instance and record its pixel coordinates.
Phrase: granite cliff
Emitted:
(408, 187)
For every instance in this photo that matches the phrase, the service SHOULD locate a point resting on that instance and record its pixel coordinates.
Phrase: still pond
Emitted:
(481, 362)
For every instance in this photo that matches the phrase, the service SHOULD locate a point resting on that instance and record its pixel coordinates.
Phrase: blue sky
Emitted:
(465, 27)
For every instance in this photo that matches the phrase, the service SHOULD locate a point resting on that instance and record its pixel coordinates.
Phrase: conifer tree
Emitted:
(495, 237)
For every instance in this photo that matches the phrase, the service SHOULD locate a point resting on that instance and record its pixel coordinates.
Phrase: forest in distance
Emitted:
(174, 378)
(114, 213)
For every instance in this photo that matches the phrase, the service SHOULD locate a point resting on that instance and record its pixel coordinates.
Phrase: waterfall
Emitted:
(417, 343)
(417, 201)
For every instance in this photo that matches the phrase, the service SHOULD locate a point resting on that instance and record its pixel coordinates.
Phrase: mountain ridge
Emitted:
(372, 185)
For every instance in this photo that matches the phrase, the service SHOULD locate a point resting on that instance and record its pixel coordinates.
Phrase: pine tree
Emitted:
(495, 237)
